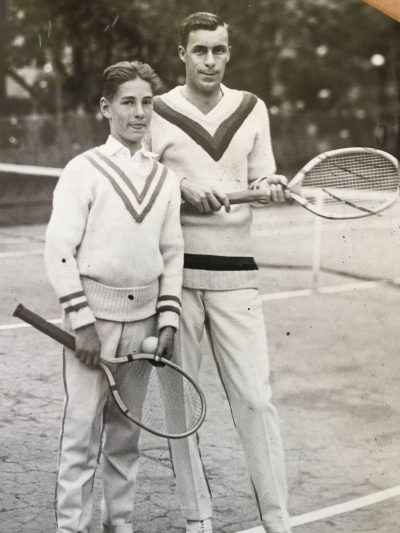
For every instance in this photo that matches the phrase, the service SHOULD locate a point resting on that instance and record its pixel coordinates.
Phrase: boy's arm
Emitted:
(171, 247)
(64, 234)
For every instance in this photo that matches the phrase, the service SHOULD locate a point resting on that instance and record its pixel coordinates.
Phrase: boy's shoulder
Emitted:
(80, 160)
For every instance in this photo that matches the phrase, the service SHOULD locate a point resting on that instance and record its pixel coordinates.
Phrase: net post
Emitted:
(317, 241)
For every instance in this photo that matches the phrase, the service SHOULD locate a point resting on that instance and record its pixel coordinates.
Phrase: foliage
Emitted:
(296, 54)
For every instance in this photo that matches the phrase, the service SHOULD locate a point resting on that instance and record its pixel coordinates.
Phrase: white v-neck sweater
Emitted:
(114, 247)
(230, 148)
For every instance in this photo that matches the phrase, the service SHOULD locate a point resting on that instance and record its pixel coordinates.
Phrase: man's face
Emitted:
(129, 112)
(205, 56)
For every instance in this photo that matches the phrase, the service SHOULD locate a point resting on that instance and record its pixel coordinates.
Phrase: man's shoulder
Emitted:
(168, 98)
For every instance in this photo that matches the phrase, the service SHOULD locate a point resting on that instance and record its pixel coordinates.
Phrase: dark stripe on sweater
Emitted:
(215, 145)
(155, 193)
(139, 196)
(219, 262)
(164, 308)
(71, 296)
(137, 216)
(77, 307)
(167, 297)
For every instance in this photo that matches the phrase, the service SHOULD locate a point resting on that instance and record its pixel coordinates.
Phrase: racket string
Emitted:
(159, 397)
(351, 181)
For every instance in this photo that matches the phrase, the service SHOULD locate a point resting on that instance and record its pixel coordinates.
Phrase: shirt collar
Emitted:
(115, 147)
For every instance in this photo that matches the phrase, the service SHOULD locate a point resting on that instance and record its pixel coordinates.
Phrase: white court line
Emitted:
(334, 510)
(332, 289)
(21, 254)
(5, 327)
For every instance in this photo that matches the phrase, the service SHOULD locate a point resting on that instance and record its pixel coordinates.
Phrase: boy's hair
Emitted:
(200, 21)
(115, 75)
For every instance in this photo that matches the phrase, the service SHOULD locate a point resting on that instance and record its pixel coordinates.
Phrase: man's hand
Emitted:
(88, 346)
(276, 189)
(165, 342)
(204, 198)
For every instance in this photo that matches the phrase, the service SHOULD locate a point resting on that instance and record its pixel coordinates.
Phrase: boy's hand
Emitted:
(204, 198)
(165, 342)
(88, 346)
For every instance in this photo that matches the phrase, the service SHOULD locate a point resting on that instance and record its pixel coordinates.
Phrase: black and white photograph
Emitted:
(199, 266)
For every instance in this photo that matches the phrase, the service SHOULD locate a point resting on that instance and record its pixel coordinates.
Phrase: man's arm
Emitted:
(261, 161)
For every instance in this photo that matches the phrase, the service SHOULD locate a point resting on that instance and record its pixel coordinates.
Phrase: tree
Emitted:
(311, 54)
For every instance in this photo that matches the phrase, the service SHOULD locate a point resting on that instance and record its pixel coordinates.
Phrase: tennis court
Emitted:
(335, 373)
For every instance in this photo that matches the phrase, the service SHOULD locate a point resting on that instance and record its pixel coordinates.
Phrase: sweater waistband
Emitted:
(121, 304)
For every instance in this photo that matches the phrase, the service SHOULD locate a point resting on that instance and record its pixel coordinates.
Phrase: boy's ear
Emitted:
(182, 53)
(105, 107)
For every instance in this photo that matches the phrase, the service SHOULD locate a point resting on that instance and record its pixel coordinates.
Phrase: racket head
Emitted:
(162, 399)
(347, 183)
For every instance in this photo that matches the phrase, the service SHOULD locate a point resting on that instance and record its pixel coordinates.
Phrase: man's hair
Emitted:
(123, 71)
(200, 21)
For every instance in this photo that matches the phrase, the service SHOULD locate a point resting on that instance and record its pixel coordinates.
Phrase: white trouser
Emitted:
(88, 410)
(234, 323)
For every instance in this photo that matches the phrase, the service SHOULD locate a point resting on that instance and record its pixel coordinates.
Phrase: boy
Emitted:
(217, 140)
(114, 255)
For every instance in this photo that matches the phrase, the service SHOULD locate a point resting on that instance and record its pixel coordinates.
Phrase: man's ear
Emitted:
(105, 107)
(229, 53)
(182, 53)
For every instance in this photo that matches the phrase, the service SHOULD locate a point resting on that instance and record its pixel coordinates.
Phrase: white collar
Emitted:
(114, 147)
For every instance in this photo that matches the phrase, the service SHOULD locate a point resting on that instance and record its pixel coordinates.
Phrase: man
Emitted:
(217, 140)
(114, 254)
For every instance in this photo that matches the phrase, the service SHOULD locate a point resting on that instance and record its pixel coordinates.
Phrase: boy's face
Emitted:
(129, 112)
(205, 57)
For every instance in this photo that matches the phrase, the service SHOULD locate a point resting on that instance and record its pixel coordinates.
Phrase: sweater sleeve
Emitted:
(171, 247)
(71, 203)
(261, 161)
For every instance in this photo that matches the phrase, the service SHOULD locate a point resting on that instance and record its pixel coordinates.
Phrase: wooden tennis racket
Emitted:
(341, 184)
(160, 397)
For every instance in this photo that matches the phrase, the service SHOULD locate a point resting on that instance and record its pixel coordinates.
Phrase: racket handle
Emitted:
(244, 197)
(44, 326)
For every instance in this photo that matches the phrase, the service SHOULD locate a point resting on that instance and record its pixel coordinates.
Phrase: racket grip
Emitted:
(244, 197)
(44, 326)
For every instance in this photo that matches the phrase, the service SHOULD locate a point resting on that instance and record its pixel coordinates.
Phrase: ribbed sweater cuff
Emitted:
(81, 318)
(75, 306)
(168, 318)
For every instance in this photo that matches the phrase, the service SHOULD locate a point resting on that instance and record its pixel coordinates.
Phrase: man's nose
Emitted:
(209, 60)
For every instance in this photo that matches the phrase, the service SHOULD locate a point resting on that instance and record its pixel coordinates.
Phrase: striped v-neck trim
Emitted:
(137, 204)
(138, 195)
(215, 145)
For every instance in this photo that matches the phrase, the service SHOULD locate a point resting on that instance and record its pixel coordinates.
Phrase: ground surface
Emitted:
(335, 373)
